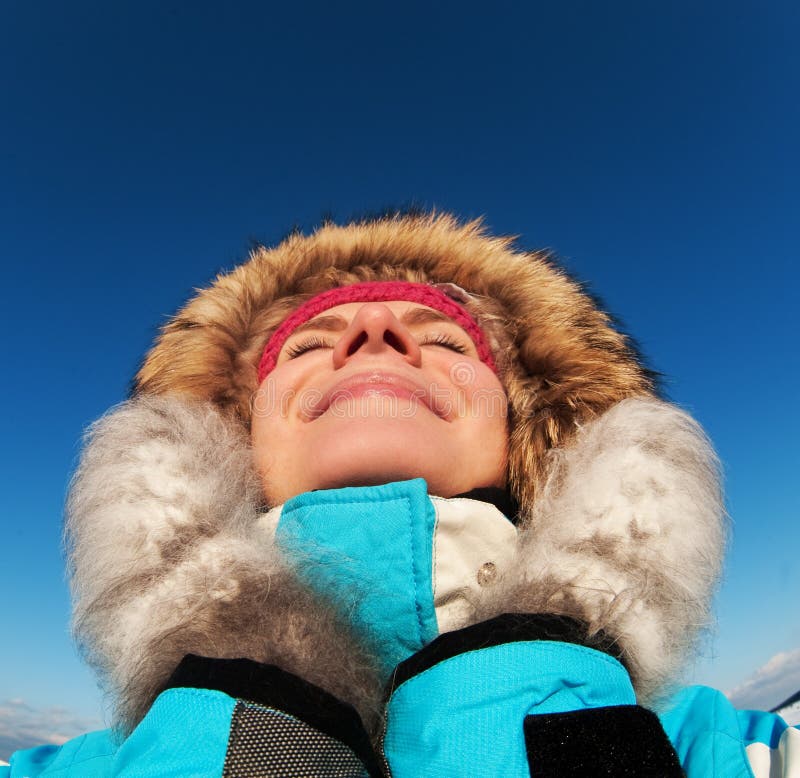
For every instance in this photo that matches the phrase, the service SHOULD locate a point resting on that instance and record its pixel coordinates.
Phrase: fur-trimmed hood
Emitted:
(563, 362)
(621, 520)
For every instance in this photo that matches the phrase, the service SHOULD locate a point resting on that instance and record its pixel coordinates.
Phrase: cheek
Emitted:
(489, 407)
(484, 395)
(265, 410)
(271, 421)
(491, 451)
(486, 412)
(278, 448)
(277, 399)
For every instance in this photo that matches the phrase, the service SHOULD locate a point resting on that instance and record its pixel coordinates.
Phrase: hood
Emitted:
(620, 524)
(562, 361)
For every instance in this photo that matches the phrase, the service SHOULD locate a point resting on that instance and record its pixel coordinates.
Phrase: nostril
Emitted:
(356, 344)
(394, 342)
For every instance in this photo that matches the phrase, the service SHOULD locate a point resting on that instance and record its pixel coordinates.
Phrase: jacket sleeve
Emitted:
(231, 718)
(520, 695)
(270, 722)
(713, 738)
(772, 747)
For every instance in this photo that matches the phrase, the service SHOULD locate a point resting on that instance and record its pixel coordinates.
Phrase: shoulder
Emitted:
(86, 755)
(714, 738)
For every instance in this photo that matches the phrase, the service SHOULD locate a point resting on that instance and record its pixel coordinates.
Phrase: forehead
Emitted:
(339, 317)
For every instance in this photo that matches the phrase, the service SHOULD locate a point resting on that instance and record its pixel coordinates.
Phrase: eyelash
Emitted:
(309, 344)
(443, 340)
(315, 342)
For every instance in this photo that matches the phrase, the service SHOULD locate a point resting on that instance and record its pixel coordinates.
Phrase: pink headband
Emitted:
(375, 292)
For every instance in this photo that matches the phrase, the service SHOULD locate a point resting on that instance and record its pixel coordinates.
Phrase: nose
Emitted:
(373, 330)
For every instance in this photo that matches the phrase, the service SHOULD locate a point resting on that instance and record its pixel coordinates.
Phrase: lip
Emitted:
(379, 382)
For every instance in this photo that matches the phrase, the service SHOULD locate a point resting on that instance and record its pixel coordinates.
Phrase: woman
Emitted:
(395, 499)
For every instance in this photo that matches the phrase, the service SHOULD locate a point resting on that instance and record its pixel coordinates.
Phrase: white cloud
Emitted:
(771, 684)
(23, 726)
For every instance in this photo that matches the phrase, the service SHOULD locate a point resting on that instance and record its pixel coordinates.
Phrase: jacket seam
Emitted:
(417, 608)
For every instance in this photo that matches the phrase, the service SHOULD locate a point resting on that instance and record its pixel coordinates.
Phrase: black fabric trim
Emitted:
(502, 499)
(622, 740)
(268, 685)
(787, 702)
(507, 628)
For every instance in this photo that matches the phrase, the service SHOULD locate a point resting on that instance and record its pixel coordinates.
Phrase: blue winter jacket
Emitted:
(519, 695)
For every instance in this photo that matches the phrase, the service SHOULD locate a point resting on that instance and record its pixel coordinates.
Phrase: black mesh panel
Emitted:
(266, 743)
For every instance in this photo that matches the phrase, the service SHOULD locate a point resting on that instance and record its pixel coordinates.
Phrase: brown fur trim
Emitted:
(568, 363)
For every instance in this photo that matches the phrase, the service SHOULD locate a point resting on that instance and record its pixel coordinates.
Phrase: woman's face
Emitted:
(368, 393)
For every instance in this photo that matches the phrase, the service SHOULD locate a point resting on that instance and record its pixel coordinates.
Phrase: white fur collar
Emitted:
(627, 535)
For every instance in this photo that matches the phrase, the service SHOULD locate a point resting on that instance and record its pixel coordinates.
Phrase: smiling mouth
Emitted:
(374, 384)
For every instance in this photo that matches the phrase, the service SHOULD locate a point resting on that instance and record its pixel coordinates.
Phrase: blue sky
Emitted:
(145, 146)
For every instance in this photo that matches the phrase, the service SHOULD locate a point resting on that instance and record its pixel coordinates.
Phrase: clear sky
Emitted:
(144, 146)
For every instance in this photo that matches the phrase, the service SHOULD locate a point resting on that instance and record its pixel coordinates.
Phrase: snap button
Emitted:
(487, 573)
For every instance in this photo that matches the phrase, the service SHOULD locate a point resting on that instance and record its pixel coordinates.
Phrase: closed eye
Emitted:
(309, 344)
(438, 339)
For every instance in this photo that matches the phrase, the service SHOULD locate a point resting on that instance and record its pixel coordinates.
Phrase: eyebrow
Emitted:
(335, 323)
(424, 316)
(329, 323)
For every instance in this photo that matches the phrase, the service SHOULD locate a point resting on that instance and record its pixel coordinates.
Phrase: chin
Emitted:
(382, 469)
(380, 452)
